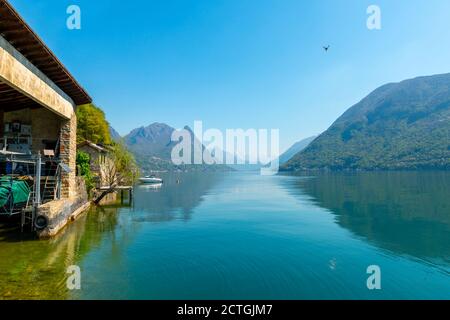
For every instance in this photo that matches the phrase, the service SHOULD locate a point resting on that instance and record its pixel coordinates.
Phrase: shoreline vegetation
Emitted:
(118, 169)
(399, 126)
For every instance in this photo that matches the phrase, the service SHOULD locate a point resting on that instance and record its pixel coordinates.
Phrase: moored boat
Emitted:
(151, 180)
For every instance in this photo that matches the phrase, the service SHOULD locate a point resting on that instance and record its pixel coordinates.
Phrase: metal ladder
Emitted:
(27, 214)
(49, 190)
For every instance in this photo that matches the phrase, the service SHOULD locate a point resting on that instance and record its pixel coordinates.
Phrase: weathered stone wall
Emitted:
(100, 163)
(68, 154)
(45, 125)
(60, 212)
(94, 157)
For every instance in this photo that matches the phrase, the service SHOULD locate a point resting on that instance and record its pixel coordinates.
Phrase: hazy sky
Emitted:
(240, 63)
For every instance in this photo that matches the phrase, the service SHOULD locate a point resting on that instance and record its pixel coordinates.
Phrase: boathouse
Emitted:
(38, 98)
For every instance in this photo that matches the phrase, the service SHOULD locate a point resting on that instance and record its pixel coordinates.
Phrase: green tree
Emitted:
(92, 125)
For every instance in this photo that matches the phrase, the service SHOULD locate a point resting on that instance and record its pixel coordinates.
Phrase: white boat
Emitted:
(151, 180)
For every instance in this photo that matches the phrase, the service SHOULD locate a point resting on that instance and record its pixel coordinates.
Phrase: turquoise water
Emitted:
(245, 236)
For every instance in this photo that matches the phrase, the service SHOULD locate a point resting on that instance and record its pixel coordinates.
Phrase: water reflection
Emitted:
(248, 237)
(176, 198)
(32, 269)
(37, 269)
(404, 212)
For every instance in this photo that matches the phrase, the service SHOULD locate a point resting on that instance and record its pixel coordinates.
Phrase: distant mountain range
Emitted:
(296, 148)
(152, 147)
(293, 150)
(115, 136)
(153, 141)
(399, 126)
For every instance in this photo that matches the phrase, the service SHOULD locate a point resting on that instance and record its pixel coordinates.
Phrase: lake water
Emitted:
(245, 236)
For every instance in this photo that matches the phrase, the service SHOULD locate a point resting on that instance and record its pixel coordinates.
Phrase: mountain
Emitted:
(151, 141)
(296, 148)
(399, 126)
(152, 147)
(115, 136)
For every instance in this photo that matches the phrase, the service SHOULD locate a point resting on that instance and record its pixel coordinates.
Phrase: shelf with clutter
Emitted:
(17, 137)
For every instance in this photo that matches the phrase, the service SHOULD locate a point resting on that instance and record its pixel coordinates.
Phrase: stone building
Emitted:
(100, 161)
(38, 99)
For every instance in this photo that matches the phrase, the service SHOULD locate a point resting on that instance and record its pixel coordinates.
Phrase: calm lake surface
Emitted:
(244, 236)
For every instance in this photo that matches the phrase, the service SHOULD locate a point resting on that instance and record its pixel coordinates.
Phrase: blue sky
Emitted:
(240, 63)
